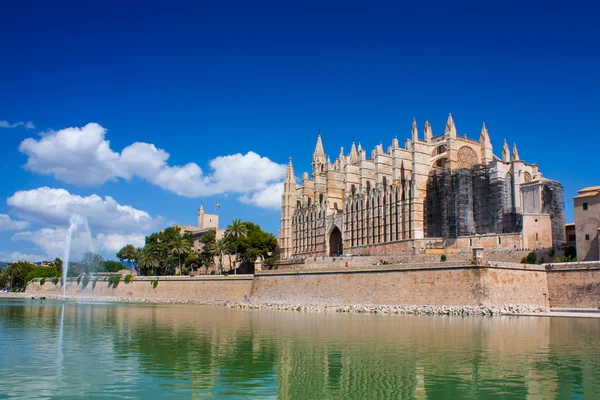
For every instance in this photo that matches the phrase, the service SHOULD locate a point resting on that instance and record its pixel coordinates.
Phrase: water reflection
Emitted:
(133, 351)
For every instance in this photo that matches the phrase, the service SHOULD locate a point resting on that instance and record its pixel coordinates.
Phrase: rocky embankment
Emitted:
(507, 309)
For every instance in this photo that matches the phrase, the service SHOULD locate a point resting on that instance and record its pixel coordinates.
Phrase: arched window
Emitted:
(320, 198)
(353, 189)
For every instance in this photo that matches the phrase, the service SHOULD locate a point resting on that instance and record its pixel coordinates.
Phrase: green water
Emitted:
(195, 352)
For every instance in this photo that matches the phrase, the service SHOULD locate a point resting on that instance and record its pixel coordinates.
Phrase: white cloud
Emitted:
(268, 197)
(83, 156)
(26, 125)
(54, 207)
(18, 256)
(113, 242)
(114, 225)
(52, 243)
(7, 224)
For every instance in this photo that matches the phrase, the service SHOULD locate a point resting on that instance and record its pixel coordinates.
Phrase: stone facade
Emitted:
(207, 222)
(434, 192)
(587, 223)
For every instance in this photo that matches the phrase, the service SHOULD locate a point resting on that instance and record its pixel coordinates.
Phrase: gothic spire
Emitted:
(415, 131)
(319, 152)
(353, 154)
(505, 152)
(342, 157)
(484, 136)
(427, 131)
(515, 152)
(450, 127)
(289, 175)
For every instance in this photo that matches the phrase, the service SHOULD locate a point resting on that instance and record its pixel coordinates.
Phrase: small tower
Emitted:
(206, 221)
(515, 153)
(505, 152)
(319, 160)
(450, 130)
(288, 207)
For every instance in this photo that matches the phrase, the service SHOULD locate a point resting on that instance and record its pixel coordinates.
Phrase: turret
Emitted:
(450, 127)
(505, 152)
(515, 153)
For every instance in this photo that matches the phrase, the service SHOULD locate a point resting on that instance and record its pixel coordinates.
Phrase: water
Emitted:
(75, 222)
(197, 352)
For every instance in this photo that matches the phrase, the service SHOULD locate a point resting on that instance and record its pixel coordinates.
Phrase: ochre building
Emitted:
(436, 193)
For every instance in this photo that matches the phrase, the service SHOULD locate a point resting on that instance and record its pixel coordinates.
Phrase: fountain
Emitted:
(75, 222)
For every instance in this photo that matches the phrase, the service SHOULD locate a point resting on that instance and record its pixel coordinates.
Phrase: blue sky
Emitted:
(210, 82)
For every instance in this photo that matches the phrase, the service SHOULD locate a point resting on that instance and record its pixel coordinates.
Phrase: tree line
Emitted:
(170, 252)
(167, 252)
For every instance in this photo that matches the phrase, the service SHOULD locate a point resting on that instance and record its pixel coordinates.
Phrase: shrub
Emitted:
(42, 281)
(541, 261)
(85, 281)
(79, 279)
(94, 283)
(524, 260)
(114, 280)
(551, 252)
(41, 272)
(571, 252)
(55, 281)
(128, 278)
(531, 257)
(443, 257)
(154, 283)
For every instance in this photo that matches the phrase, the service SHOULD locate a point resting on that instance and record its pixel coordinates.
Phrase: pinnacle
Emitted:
(319, 152)
(289, 176)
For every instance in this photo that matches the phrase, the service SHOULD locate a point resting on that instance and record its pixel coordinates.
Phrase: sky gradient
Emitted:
(134, 114)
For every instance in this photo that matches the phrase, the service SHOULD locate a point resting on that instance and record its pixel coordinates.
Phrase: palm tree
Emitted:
(220, 249)
(179, 246)
(149, 259)
(235, 231)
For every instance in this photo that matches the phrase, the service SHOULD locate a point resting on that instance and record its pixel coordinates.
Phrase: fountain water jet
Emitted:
(75, 222)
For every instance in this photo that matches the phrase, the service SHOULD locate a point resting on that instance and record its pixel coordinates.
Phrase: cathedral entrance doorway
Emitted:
(336, 246)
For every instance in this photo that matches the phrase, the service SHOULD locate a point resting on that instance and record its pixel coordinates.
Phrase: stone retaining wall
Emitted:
(210, 288)
(574, 285)
(435, 285)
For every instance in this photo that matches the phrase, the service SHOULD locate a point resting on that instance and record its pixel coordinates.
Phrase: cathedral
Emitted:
(441, 192)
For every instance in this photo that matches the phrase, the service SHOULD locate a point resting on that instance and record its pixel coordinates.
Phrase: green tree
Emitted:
(180, 246)
(191, 261)
(92, 262)
(17, 274)
(221, 247)
(4, 279)
(149, 259)
(113, 266)
(235, 231)
(58, 265)
(571, 253)
(128, 254)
